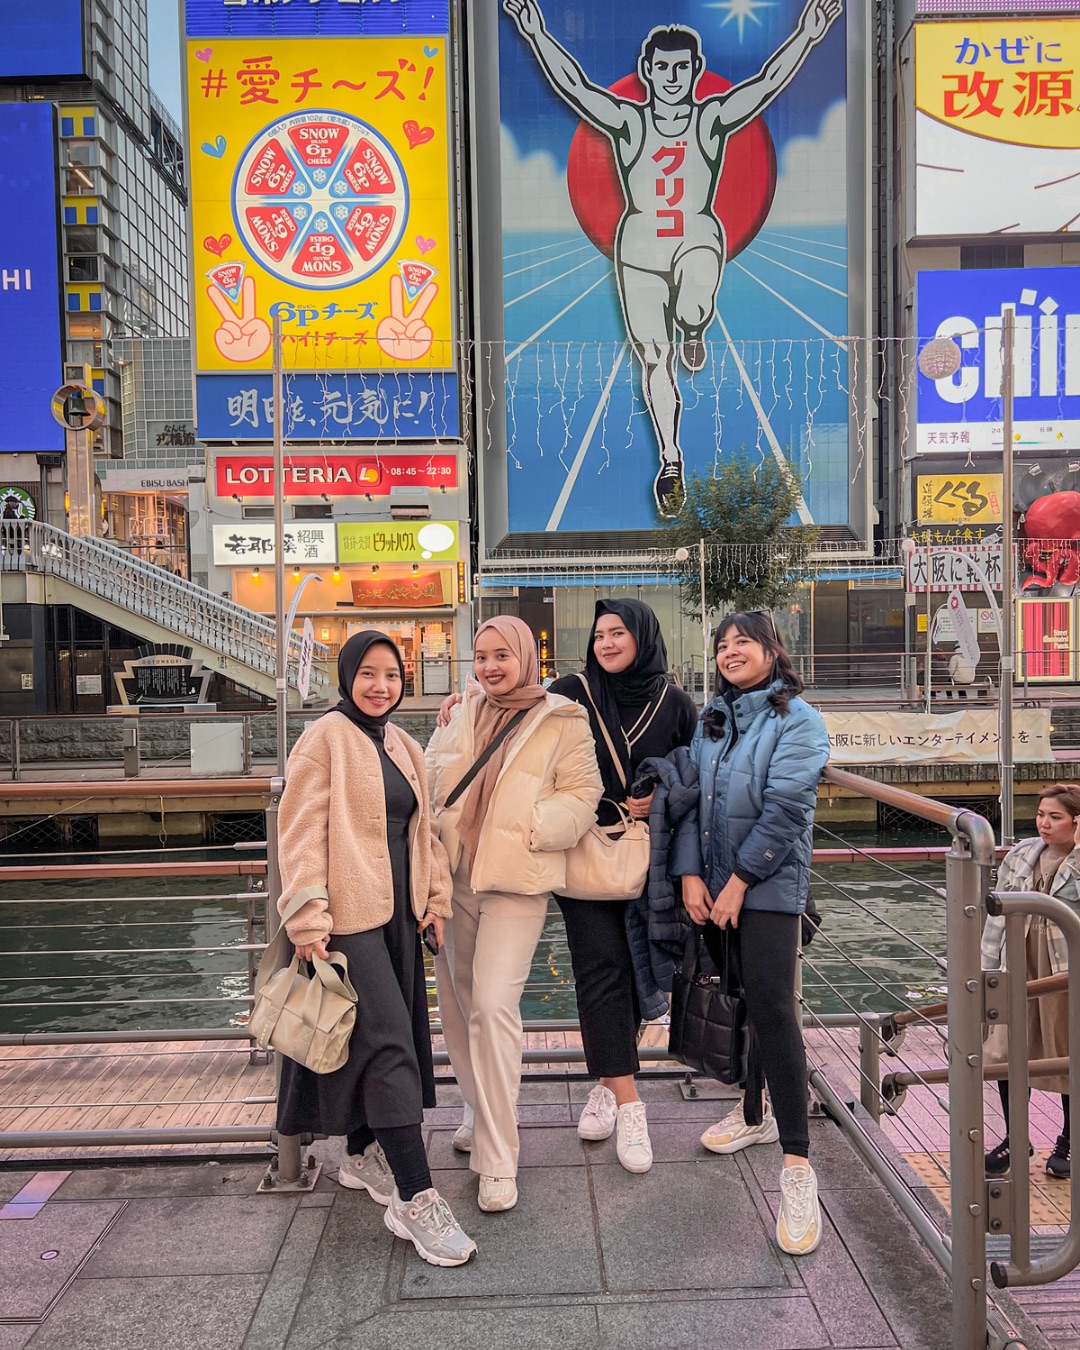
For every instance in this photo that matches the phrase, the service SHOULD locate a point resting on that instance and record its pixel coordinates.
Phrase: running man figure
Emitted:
(669, 151)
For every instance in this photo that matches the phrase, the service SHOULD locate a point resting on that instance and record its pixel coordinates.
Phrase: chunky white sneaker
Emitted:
(633, 1145)
(497, 1193)
(368, 1171)
(732, 1133)
(598, 1118)
(462, 1140)
(426, 1222)
(798, 1225)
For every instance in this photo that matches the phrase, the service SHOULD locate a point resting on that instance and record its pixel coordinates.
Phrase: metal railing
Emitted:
(936, 947)
(944, 1062)
(141, 588)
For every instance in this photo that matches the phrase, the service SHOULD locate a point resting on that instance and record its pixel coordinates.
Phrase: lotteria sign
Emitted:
(334, 475)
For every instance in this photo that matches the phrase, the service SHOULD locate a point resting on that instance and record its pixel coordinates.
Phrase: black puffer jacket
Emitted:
(676, 795)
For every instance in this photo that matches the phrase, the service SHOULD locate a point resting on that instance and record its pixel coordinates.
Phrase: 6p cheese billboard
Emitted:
(320, 169)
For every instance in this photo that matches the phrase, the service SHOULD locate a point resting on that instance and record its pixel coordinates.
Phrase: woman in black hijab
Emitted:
(358, 848)
(645, 716)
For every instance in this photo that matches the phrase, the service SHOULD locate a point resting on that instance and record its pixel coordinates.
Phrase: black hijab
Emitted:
(635, 688)
(350, 659)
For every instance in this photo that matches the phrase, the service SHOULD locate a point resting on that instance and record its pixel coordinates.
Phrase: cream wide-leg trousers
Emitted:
(480, 975)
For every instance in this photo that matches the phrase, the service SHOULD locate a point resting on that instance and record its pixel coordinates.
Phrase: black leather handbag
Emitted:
(709, 1031)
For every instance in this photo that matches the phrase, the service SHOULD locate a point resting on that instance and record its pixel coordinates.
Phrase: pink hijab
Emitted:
(491, 713)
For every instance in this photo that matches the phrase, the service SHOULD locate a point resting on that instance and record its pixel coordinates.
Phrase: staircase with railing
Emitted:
(151, 603)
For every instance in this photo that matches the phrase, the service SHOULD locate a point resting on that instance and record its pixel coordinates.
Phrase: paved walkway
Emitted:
(188, 1257)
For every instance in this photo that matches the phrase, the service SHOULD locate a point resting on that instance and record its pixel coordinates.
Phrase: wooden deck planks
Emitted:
(203, 1083)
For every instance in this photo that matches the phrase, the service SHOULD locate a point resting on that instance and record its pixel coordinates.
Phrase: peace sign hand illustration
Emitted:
(406, 338)
(240, 338)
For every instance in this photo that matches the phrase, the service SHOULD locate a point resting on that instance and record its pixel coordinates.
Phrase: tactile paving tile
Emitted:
(1050, 1200)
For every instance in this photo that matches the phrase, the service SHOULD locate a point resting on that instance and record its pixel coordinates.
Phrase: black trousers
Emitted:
(604, 979)
(766, 943)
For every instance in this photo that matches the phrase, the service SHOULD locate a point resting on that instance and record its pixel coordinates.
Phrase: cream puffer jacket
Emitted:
(544, 800)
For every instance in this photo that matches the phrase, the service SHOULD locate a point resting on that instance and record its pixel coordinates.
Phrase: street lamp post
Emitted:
(281, 692)
(683, 555)
(1008, 653)
(939, 359)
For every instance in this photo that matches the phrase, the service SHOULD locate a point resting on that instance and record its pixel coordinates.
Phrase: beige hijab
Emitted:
(491, 712)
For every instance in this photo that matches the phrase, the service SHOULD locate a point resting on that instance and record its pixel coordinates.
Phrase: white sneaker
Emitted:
(427, 1222)
(598, 1118)
(368, 1171)
(497, 1193)
(798, 1225)
(462, 1140)
(633, 1146)
(732, 1133)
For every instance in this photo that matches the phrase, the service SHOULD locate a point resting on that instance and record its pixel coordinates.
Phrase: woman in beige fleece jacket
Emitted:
(357, 840)
(506, 837)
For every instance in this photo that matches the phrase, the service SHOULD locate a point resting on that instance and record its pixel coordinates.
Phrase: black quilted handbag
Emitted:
(709, 1032)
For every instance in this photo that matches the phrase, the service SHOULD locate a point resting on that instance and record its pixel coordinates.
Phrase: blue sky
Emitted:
(164, 26)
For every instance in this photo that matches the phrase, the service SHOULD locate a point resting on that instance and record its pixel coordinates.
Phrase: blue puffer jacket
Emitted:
(756, 801)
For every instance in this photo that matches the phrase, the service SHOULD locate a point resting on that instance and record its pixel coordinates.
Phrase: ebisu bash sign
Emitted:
(997, 126)
(320, 173)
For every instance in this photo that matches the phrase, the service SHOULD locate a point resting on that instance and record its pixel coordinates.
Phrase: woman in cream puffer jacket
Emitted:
(544, 800)
(506, 837)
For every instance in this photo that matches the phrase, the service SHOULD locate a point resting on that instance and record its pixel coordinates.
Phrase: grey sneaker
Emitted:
(497, 1194)
(798, 1225)
(368, 1171)
(426, 1222)
(599, 1115)
(462, 1140)
(633, 1145)
(732, 1133)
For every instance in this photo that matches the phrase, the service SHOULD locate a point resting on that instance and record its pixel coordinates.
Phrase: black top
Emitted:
(673, 725)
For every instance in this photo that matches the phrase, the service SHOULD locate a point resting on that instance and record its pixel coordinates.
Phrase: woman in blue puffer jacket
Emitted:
(744, 859)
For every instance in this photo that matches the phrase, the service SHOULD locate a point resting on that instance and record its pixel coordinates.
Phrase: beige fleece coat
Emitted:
(332, 833)
(544, 800)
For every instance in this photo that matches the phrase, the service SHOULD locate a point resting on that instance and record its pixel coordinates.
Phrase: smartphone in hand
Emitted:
(430, 941)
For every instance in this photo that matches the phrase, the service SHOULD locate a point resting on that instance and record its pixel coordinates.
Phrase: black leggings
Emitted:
(604, 980)
(767, 944)
(1003, 1092)
(404, 1149)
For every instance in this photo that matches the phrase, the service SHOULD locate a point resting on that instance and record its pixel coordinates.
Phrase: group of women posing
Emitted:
(386, 843)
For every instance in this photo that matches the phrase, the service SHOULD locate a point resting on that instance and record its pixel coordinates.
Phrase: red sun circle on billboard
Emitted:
(744, 192)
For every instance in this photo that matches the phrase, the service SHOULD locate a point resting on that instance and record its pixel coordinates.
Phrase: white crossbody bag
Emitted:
(609, 862)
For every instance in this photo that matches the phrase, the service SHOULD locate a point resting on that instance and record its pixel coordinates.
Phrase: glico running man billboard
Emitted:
(675, 252)
(320, 169)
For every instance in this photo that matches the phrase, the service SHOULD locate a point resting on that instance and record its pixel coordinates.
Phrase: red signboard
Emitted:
(423, 591)
(334, 475)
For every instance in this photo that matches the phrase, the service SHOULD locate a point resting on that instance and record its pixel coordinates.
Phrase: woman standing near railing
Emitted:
(356, 836)
(744, 858)
(1049, 863)
(515, 785)
(635, 714)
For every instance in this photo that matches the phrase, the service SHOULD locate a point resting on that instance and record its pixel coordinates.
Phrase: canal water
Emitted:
(70, 957)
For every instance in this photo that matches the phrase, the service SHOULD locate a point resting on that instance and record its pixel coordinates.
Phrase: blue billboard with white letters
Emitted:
(962, 413)
(30, 368)
(41, 40)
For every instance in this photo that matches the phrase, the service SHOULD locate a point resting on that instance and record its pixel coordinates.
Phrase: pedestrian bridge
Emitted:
(139, 1207)
(47, 566)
